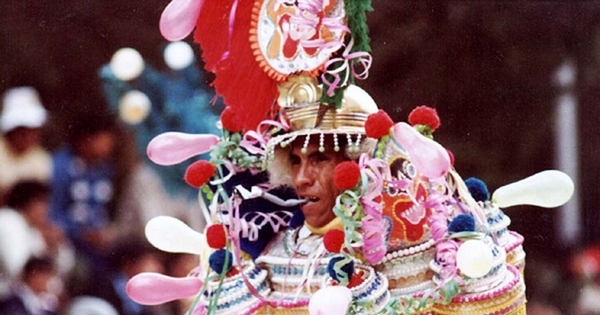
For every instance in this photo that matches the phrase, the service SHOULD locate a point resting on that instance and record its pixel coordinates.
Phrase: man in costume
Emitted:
(389, 227)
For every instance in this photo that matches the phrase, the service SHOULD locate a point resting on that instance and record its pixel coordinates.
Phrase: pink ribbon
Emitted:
(373, 231)
(348, 63)
(255, 141)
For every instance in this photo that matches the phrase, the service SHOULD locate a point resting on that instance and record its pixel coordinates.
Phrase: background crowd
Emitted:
(69, 235)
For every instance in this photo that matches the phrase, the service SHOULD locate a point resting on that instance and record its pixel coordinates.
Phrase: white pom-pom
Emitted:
(127, 64)
(134, 107)
(334, 300)
(474, 258)
(178, 55)
(547, 189)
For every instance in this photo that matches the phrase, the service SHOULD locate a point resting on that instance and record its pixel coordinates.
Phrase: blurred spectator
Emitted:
(129, 258)
(179, 266)
(144, 197)
(83, 186)
(585, 267)
(26, 231)
(21, 154)
(34, 294)
(90, 305)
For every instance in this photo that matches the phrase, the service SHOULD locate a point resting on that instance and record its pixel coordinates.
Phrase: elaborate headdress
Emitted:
(416, 238)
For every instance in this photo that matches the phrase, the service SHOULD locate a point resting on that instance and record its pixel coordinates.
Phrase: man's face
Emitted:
(21, 139)
(312, 174)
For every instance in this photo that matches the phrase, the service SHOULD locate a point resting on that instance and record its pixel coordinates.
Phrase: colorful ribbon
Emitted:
(348, 62)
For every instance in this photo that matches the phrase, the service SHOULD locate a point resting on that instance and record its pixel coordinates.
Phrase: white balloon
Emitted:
(172, 235)
(334, 300)
(546, 189)
(474, 258)
(127, 64)
(134, 107)
(178, 55)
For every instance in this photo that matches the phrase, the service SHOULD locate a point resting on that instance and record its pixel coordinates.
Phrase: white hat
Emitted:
(89, 305)
(22, 108)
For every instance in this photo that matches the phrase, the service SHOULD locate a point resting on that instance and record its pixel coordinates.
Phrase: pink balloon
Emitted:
(149, 288)
(175, 147)
(429, 157)
(179, 18)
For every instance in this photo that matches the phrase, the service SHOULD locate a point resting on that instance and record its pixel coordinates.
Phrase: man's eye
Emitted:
(319, 157)
(294, 160)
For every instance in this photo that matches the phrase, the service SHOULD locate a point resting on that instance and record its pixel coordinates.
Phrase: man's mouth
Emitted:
(310, 198)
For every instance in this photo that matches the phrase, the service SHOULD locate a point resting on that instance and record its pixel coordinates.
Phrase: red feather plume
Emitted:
(239, 79)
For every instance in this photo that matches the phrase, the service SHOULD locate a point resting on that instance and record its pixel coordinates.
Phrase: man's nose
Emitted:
(305, 175)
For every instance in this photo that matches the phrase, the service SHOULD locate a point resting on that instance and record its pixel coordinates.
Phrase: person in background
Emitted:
(21, 154)
(83, 188)
(129, 257)
(33, 294)
(26, 231)
(180, 265)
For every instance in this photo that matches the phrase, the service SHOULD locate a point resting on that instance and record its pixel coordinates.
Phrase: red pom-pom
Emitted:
(334, 240)
(424, 115)
(378, 125)
(216, 237)
(230, 121)
(199, 173)
(346, 175)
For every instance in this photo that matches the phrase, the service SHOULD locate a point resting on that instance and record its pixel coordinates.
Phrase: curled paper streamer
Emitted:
(334, 300)
(179, 18)
(149, 288)
(175, 147)
(345, 65)
(546, 189)
(429, 157)
(172, 235)
(474, 258)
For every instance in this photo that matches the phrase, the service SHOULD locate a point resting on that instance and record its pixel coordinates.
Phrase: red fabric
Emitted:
(239, 79)
(424, 115)
(356, 279)
(216, 236)
(333, 240)
(199, 173)
(378, 125)
(346, 175)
